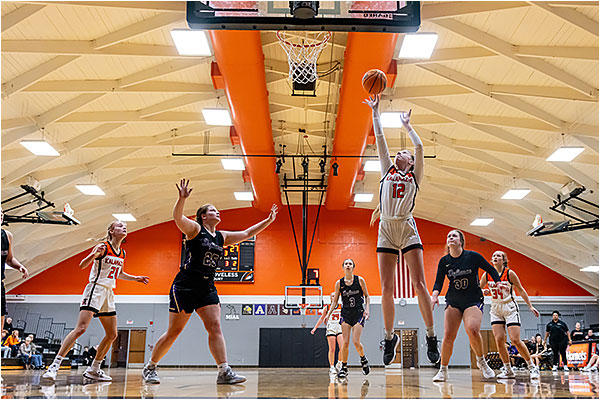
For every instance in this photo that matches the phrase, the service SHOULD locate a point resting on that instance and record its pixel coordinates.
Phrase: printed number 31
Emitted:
(398, 190)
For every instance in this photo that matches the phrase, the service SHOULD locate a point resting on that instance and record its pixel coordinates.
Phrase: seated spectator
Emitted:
(539, 348)
(593, 364)
(28, 356)
(577, 334)
(590, 335)
(13, 342)
(515, 359)
(8, 324)
(5, 349)
(85, 356)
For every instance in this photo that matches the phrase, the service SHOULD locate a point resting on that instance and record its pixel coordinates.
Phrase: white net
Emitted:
(303, 52)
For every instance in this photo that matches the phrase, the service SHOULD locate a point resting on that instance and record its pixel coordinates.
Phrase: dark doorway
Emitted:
(119, 349)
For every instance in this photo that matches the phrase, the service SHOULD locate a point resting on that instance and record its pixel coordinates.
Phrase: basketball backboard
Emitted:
(345, 16)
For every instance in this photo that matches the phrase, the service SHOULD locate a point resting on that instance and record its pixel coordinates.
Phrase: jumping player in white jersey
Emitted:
(398, 231)
(505, 313)
(107, 259)
(333, 332)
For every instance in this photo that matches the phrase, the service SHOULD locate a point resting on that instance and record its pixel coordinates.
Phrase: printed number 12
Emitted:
(398, 190)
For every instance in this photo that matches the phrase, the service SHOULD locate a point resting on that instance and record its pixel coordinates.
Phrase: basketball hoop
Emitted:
(302, 57)
(303, 308)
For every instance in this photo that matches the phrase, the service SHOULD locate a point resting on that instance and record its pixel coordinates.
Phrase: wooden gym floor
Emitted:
(299, 383)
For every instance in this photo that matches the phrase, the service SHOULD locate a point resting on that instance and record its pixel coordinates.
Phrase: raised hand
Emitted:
(405, 119)
(373, 101)
(273, 213)
(184, 188)
(99, 250)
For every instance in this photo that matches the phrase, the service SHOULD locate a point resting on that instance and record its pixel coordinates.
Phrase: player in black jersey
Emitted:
(353, 290)
(464, 300)
(8, 258)
(193, 288)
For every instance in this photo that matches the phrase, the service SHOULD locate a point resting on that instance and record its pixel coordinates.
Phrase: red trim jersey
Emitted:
(107, 268)
(397, 193)
(500, 295)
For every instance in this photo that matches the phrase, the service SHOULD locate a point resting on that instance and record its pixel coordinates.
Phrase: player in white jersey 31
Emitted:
(333, 333)
(505, 312)
(107, 259)
(398, 231)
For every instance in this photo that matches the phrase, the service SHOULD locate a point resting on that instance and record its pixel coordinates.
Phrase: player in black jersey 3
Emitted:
(464, 300)
(353, 290)
(8, 258)
(193, 288)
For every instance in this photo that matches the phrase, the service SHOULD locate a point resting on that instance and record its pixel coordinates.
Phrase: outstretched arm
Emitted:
(382, 148)
(239, 236)
(522, 292)
(138, 278)
(321, 319)
(416, 141)
(186, 226)
(12, 261)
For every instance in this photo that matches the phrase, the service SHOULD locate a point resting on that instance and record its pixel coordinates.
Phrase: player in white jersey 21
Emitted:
(107, 259)
(333, 332)
(505, 312)
(398, 231)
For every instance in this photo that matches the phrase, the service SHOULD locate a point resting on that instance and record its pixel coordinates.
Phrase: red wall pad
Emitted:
(241, 63)
(364, 51)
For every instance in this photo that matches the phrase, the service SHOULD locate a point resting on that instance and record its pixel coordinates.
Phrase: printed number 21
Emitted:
(398, 190)
(111, 274)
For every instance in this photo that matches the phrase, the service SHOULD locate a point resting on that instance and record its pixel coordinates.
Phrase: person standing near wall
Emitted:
(107, 260)
(560, 339)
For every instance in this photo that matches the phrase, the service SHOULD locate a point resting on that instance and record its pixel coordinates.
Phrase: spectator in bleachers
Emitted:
(85, 356)
(515, 359)
(8, 324)
(13, 342)
(28, 356)
(590, 335)
(5, 349)
(577, 334)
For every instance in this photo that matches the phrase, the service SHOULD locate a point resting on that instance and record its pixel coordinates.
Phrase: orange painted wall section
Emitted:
(155, 251)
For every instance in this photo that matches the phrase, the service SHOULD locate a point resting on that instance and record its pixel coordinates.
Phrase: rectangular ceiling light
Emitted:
(482, 221)
(216, 116)
(125, 217)
(565, 154)
(372, 166)
(40, 148)
(90, 190)
(390, 120)
(243, 196)
(233, 164)
(191, 42)
(591, 268)
(515, 194)
(418, 45)
(363, 197)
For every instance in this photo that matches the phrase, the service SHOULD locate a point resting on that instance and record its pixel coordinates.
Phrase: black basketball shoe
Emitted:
(433, 353)
(389, 349)
(343, 373)
(364, 363)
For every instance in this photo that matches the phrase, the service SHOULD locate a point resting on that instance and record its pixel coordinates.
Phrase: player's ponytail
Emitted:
(108, 231)
(201, 211)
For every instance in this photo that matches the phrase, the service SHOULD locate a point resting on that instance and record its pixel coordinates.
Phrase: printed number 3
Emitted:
(112, 273)
(462, 283)
(398, 190)
(352, 301)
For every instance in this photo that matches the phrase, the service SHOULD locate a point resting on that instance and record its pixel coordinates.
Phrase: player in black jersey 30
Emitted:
(353, 291)
(193, 288)
(464, 300)
(8, 258)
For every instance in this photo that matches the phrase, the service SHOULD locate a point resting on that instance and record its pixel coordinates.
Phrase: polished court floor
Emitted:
(300, 383)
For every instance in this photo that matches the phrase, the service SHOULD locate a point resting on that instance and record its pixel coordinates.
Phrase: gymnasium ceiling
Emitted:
(508, 83)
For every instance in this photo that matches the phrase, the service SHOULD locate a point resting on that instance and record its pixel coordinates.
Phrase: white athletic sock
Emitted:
(389, 335)
(530, 363)
(96, 364)
(443, 368)
(430, 331)
(507, 366)
(57, 360)
(223, 367)
(152, 364)
(480, 358)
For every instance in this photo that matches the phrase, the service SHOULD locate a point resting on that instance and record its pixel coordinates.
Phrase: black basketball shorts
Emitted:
(190, 299)
(352, 316)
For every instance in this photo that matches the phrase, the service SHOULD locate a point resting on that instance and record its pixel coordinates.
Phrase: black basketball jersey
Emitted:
(5, 245)
(201, 256)
(352, 296)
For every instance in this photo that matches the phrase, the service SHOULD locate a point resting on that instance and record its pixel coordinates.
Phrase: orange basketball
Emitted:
(374, 81)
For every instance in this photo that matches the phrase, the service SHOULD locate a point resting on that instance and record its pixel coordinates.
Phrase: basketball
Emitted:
(374, 81)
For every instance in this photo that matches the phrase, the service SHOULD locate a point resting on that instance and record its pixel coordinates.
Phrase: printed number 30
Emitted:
(398, 190)
(462, 283)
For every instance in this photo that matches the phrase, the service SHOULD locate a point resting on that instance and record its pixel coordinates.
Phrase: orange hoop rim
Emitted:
(321, 42)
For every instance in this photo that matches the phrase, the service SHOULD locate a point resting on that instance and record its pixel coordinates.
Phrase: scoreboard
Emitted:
(237, 264)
